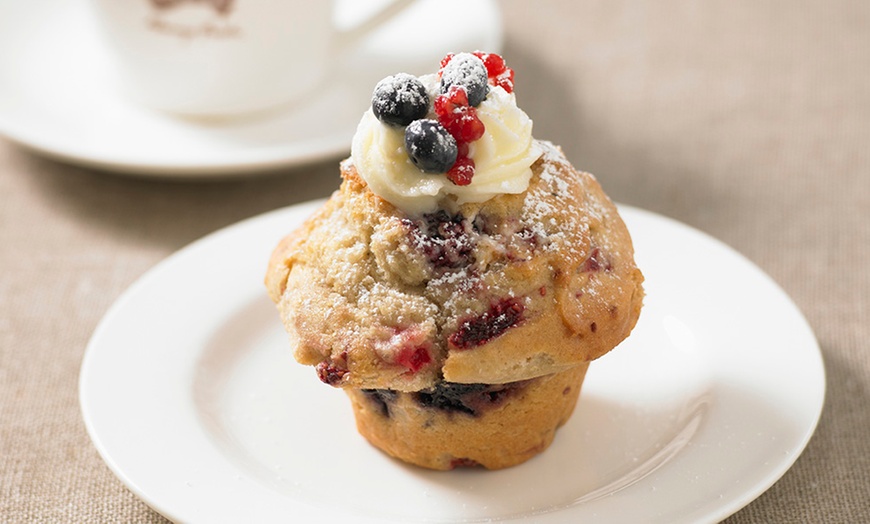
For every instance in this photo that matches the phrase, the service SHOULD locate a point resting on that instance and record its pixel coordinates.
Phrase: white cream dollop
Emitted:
(503, 157)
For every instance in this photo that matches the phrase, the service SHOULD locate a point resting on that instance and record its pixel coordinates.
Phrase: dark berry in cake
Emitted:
(464, 463)
(468, 71)
(471, 399)
(430, 146)
(597, 261)
(476, 331)
(447, 241)
(382, 398)
(400, 99)
(329, 373)
(450, 397)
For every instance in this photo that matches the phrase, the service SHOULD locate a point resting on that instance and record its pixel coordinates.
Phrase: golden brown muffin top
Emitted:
(512, 288)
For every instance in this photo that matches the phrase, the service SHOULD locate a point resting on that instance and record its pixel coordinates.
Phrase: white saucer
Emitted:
(191, 395)
(58, 97)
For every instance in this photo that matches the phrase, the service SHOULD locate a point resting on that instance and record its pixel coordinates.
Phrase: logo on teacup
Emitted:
(221, 7)
(190, 19)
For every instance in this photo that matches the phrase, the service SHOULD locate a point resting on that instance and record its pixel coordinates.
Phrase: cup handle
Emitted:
(346, 38)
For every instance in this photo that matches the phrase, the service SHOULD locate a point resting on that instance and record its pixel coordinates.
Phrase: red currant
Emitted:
(494, 63)
(462, 149)
(446, 60)
(447, 104)
(498, 72)
(461, 120)
(457, 116)
(506, 80)
(462, 171)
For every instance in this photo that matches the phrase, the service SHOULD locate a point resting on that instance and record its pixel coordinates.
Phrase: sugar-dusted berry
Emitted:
(468, 71)
(457, 116)
(505, 80)
(448, 241)
(494, 63)
(430, 146)
(498, 73)
(462, 171)
(400, 99)
(446, 60)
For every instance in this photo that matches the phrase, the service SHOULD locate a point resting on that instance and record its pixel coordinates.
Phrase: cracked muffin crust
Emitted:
(514, 288)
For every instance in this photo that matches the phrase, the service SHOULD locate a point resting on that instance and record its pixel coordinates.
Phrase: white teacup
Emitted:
(224, 57)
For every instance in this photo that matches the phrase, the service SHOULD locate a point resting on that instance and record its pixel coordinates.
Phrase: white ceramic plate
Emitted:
(58, 95)
(191, 396)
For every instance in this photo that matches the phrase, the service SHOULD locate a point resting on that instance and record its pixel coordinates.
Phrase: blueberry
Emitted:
(468, 71)
(471, 399)
(400, 99)
(431, 147)
(382, 398)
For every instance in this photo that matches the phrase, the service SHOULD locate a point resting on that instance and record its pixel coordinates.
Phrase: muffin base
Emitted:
(496, 428)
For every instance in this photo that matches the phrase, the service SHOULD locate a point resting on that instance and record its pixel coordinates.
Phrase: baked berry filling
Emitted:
(332, 370)
(381, 399)
(329, 373)
(450, 397)
(476, 331)
(471, 399)
(464, 463)
(597, 261)
(414, 358)
(446, 240)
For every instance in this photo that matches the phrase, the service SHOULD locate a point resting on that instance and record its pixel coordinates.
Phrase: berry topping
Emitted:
(479, 330)
(497, 72)
(494, 63)
(430, 146)
(462, 171)
(468, 71)
(461, 149)
(460, 119)
(457, 116)
(400, 99)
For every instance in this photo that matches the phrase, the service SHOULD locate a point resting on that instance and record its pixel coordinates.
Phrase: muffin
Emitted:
(461, 279)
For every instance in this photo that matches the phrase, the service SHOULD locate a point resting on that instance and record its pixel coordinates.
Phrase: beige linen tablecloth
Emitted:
(748, 120)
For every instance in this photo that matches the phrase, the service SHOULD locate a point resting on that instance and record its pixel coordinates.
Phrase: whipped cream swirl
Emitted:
(503, 157)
